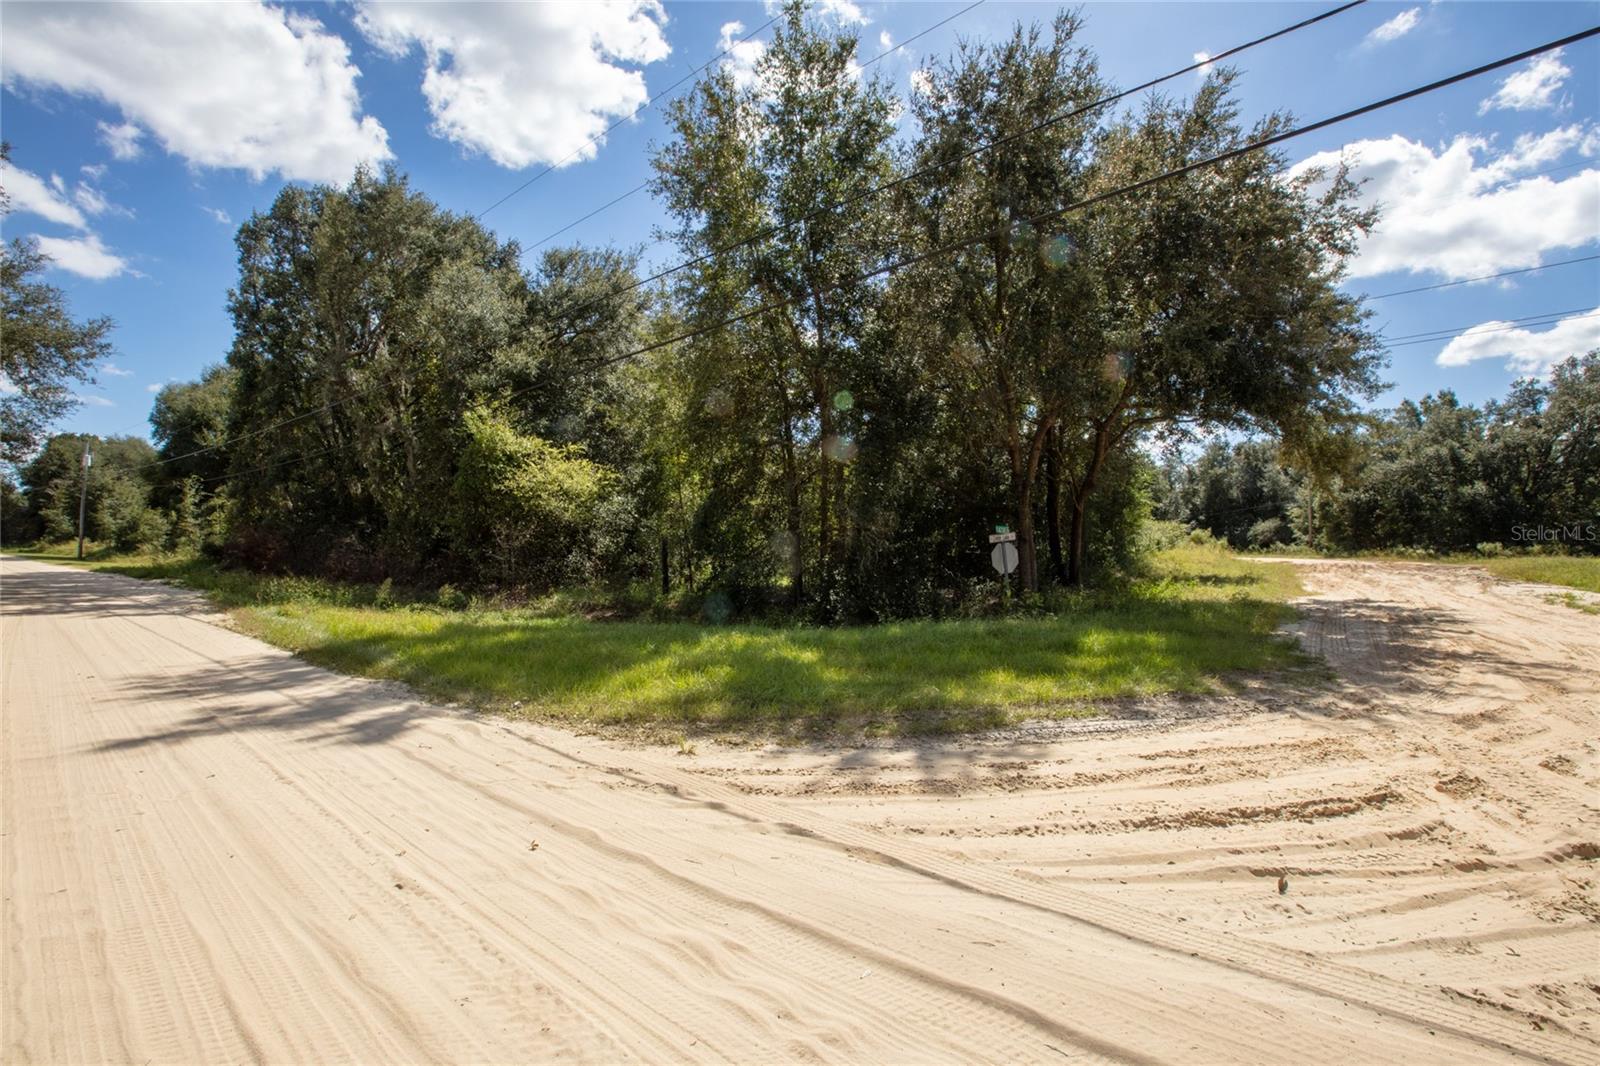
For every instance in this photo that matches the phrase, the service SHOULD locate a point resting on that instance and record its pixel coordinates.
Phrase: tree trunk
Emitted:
(1080, 505)
(1052, 502)
(824, 490)
(1027, 557)
(1075, 565)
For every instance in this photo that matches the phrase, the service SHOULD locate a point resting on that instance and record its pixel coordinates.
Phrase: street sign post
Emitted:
(1004, 557)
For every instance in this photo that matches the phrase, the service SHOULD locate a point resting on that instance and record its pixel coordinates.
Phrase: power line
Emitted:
(1457, 329)
(931, 168)
(769, 231)
(886, 53)
(1485, 277)
(1476, 331)
(1048, 216)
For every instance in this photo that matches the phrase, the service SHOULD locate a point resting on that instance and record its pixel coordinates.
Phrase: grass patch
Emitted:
(1572, 571)
(1198, 617)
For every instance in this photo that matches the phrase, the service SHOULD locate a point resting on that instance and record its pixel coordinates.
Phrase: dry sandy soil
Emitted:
(216, 853)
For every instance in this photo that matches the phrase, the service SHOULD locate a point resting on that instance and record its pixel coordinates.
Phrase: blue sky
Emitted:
(143, 134)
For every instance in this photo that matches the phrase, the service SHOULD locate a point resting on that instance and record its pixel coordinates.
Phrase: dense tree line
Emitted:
(885, 343)
(1433, 475)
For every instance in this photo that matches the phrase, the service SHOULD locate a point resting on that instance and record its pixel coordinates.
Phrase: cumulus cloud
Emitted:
(238, 85)
(843, 12)
(1524, 350)
(84, 256)
(524, 83)
(742, 55)
(1464, 209)
(121, 138)
(1396, 27)
(154, 386)
(33, 195)
(839, 12)
(1531, 88)
(219, 215)
(92, 400)
(885, 40)
(116, 371)
(921, 82)
(1204, 59)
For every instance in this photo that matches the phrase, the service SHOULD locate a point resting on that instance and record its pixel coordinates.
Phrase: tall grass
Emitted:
(1197, 620)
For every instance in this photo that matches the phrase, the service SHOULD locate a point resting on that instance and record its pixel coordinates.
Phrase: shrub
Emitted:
(531, 511)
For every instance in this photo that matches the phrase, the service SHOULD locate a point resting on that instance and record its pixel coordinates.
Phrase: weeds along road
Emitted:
(216, 853)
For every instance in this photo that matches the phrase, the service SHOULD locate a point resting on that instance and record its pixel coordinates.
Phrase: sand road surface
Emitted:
(215, 853)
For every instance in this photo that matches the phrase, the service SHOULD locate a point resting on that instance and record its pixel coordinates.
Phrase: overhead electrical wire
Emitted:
(1485, 330)
(1260, 144)
(1484, 277)
(873, 191)
(1451, 330)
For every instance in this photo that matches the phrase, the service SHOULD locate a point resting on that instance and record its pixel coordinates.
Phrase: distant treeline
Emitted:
(1436, 476)
(888, 340)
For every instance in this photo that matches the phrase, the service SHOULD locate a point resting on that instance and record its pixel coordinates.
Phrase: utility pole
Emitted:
(83, 494)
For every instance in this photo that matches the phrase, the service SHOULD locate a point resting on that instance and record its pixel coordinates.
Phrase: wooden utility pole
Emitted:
(83, 494)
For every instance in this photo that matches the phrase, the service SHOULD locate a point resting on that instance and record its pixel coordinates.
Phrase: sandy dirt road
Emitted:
(213, 852)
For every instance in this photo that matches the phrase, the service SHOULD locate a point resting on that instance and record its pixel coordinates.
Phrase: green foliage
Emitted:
(1443, 476)
(531, 512)
(189, 424)
(118, 490)
(43, 351)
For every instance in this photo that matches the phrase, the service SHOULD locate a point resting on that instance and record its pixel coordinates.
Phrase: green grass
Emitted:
(1572, 571)
(1200, 619)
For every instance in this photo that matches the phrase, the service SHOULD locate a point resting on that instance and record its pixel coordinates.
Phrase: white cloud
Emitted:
(84, 256)
(116, 371)
(840, 12)
(885, 40)
(239, 85)
(1204, 59)
(122, 139)
(921, 82)
(94, 172)
(154, 386)
(1531, 88)
(94, 202)
(742, 55)
(219, 215)
(524, 83)
(1396, 27)
(1462, 211)
(32, 195)
(1525, 351)
(843, 12)
(92, 400)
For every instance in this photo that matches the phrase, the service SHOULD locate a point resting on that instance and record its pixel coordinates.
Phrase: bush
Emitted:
(1268, 532)
(450, 598)
(530, 511)
(1492, 549)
